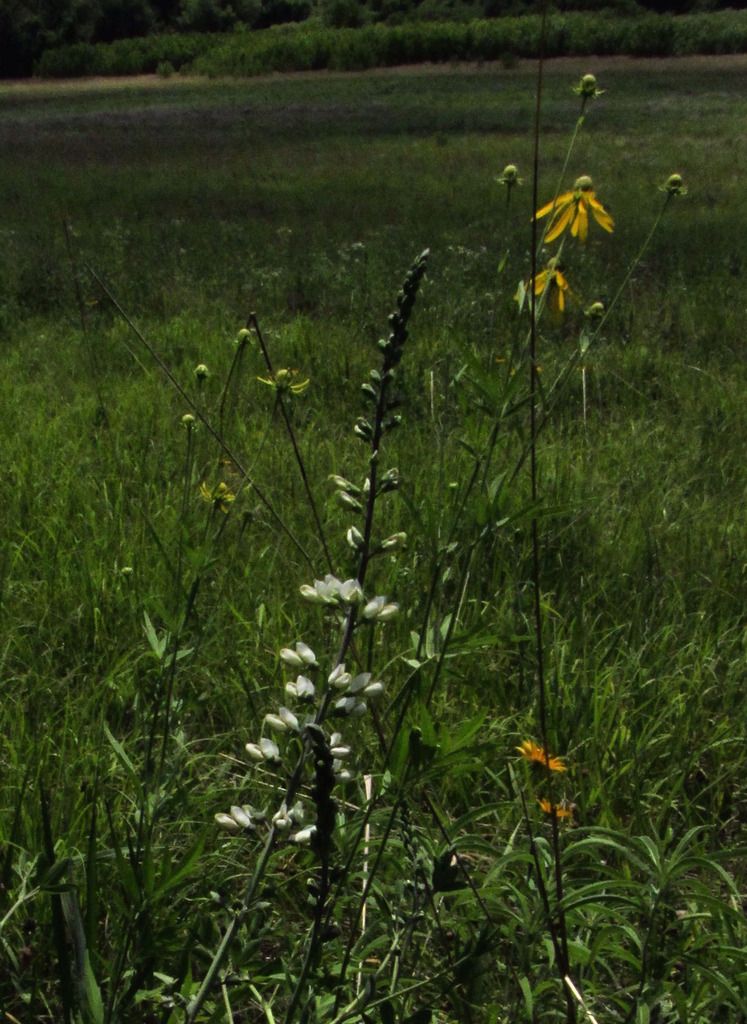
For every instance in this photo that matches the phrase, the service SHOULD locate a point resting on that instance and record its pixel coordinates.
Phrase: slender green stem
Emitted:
(253, 323)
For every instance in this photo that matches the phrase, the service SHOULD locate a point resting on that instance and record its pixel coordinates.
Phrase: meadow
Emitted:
(150, 565)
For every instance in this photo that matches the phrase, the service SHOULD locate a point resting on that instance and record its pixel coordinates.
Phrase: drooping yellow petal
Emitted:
(554, 205)
(558, 226)
(580, 225)
(540, 281)
(603, 219)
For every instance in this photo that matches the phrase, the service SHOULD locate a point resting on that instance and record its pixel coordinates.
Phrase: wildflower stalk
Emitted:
(253, 324)
(392, 353)
(241, 343)
(561, 942)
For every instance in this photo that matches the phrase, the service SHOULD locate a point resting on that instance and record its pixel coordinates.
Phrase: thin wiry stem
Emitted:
(194, 408)
(560, 938)
(253, 324)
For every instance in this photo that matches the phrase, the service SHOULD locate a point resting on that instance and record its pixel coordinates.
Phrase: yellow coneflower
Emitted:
(536, 754)
(554, 280)
(284, 381)
(220, 496)
(561, 810)
(571, 209)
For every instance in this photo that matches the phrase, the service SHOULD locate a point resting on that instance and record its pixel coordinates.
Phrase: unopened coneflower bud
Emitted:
(227, 822)
(595, 310)
(354, 538)
(583, 184)
(126, 570)
(510, 176)
(188, 420)
(243, 335)
(201, 372)
(587, 88)
(675, 186)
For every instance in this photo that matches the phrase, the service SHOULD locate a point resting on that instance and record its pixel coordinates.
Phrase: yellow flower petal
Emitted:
(555, 205)
(580, 225)
(558, 226)
(603, 219)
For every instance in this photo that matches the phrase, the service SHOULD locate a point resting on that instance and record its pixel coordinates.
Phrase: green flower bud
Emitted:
(674, 185)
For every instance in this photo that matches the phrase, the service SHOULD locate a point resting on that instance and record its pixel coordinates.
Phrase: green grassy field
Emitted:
(305, 200)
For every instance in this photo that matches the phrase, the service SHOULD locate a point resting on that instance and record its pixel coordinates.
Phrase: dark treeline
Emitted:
(29, 27)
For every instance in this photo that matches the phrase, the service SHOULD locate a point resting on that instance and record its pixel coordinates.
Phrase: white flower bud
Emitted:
(344, 485)
(348, 501)
(280, 819)
(227, 822)
(305, 652)
(270, 750)
(339, 678)
(354, 538)
(304, 837)
(291, 658)
(276, 723)
(254, 752)
(340, 753)
(374, 690)
(302, 689)
(372, 608)
(288, 719)
(311, 594)
(360, 682)
(387, 612)
(351, 592)
(335, 739)
(241, 817)
(343, 775)
(397, 540)
(297, 812)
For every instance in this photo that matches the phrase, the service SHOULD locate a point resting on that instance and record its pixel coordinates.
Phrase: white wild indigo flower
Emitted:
(379, 610)
(288, 718)
(326, 591)
(239, 820)
(265, 750)
(304, 837)
(339, 678)
(351, 592)
(302, 689)
(301, 656)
